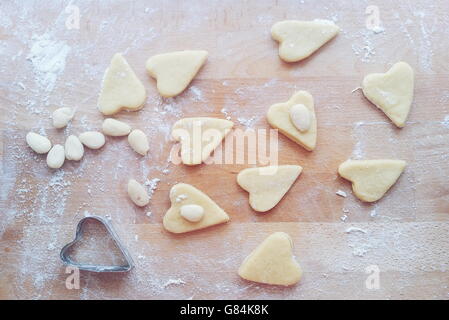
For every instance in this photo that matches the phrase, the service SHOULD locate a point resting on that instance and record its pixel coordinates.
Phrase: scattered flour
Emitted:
(197, 93)
(226, 113)
(48, 57)
(247, 122)
(445, 122)
(152, 186)
(175, 282)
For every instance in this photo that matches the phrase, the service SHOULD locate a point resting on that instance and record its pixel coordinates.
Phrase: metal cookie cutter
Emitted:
(67, 260)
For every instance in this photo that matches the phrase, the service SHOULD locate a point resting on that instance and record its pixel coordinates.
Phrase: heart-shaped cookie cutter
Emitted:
(66, 259)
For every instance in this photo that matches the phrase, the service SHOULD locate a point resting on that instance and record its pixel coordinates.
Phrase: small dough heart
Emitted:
(272, 262)
(121, 89)
(278, 117)
(175, 70)
(371, 179)
(183, 194)
(299, 39)
(391, 92)
(199, 137)
(267, 185)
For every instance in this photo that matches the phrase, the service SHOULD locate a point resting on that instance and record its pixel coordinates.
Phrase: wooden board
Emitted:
(45, 65)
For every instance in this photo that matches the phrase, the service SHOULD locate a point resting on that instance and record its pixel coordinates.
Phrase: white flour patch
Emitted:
(175, 282)
(49, 59)
(357, 152)
(152, 186)
(197, 93)
(363, 46)
(226, 113)
(247, 122)
(422, 45)
(445, 122)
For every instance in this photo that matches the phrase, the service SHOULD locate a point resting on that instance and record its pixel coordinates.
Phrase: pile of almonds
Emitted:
(73, 148)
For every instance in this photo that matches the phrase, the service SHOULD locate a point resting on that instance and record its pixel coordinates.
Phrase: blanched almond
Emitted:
(139, 141)
(115, 128)
(137, 193)
(192, 212)
(56, 157)
(62, 116)
(92, 139)
(74, 149)
(300, 117)
(38, 143)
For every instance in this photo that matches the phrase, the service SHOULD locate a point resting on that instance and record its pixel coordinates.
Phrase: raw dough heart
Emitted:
(371, 179)
(121, 90)
(278, 117)
(272, 262)
(299, 39)
(391, 92)
(267, 185)
(174, 71)
(184, 194)
(199, 137)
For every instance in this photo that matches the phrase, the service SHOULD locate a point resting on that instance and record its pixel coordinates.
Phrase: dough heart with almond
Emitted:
(299, 39)
(199, 137)
(371, 179)
(282, 116)
(391, 92)
(185, 214)
(175, 70)
(121, 89)
(272, 262)
(267, 185)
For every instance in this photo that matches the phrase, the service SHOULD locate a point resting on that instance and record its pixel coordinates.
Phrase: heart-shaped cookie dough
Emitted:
(267, 185)
(199, 137)
(272, 262)
(96, 227)
(391, 92)
(371, 179)
(121, 89)
(182, 195)
(175, 70)
(279, 117)
(299, 39)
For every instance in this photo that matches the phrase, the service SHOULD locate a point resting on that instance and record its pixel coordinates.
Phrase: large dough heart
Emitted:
(184, 194)
(299, 39)
(175, 70)
(272, 262)
(371, 179)
(199, 137)
(278, 116)
(391, 92)
(267, 185)
(121, 89)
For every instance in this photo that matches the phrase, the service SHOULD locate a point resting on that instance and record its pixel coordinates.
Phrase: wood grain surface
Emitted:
(45, 65)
